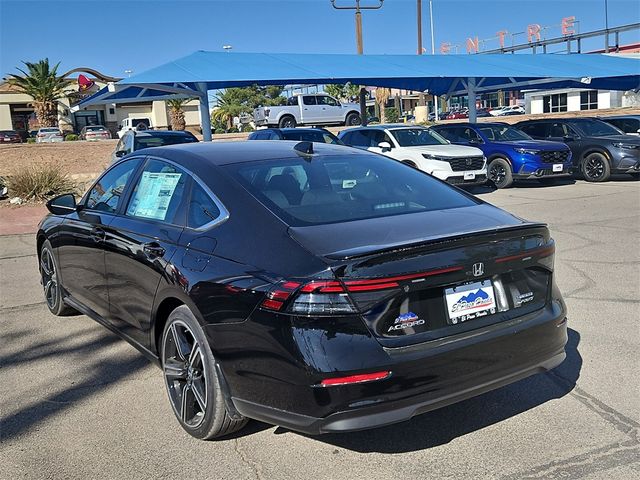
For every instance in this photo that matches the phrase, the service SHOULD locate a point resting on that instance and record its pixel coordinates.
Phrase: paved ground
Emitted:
(77, 402)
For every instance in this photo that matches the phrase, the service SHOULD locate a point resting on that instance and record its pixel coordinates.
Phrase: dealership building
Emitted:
(17, 113)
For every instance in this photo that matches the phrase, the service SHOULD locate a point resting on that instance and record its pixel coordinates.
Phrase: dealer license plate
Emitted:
(469, 301)
(557, 167)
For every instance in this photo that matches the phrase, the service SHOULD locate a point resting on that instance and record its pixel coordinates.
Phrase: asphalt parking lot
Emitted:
(78, 402)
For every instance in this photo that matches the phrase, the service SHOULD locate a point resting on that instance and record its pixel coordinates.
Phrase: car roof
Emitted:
(161, 133)
(471, 124)
(620, 117)
(296, 129)
(384, 126)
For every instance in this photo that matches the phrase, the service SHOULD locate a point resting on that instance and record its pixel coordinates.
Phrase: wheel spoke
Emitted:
(178, 342)
(195, 354)
(175, 370)
(184, 405)
(199, 396)
(45, 267)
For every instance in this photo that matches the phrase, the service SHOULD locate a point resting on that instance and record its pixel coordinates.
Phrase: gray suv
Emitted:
(599, 149)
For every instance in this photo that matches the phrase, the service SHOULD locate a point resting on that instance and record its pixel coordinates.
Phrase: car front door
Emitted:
(562, 132)
(376, 137)
(140, 243)
(80, 243)
(330, 109)
(310, 110)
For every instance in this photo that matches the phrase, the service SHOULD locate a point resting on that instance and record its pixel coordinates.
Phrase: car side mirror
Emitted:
(385, 146)
(62, 204)
(121, 153)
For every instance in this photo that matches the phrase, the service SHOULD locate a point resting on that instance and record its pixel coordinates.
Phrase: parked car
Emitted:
(49, 135)
(305, 109)
(377, 294)
(95, 132)
(10, 136)
(511, 154)
(319, 135)
(421, 148)
(138, 123)
(507, 110)
(599, 149)
(458, 114)
(133, 140)
(629, 124)
(407, 118)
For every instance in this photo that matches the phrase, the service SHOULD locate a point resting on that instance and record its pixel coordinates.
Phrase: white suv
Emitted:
(424, 149)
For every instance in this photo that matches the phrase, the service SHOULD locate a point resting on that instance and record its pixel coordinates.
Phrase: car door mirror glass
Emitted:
(62, 204)
(385, 146)
(121, 153)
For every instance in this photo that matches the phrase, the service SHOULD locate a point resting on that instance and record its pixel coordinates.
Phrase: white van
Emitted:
(134, 123)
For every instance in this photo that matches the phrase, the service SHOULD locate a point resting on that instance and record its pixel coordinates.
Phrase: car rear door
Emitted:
(330, 109)
(80, 243)
(141, 242)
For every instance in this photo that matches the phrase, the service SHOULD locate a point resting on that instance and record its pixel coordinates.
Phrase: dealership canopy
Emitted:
(195, 74)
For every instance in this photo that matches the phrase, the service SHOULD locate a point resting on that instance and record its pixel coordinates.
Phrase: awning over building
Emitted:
(195, 74)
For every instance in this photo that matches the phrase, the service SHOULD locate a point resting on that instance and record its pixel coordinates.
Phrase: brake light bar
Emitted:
(541, 252)
(351, 379)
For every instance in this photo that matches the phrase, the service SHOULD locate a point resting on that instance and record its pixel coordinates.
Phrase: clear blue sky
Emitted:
(113, 36)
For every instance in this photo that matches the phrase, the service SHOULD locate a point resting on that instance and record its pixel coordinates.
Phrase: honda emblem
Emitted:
(478, 269)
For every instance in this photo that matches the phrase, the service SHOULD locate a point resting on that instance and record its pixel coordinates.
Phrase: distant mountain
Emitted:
(473, 296)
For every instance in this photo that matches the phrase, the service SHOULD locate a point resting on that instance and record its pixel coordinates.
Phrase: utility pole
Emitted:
(359, 45)
(419, 15)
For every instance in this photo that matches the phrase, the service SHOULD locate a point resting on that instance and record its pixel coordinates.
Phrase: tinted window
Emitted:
(413, 137)
(627, 125)
(202, 208)
(292, 101)
(326, 100)
(309, 99)
(318, 136)
(503, 134)
(597, 128)
(535, 130)
(158, 193)
(358, 138)
(449, 133)
(344, 188)
(106, 193)
(161, 140)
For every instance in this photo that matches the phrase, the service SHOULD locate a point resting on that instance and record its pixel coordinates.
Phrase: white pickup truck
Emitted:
(303, 109)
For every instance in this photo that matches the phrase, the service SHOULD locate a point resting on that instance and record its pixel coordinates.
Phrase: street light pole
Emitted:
(359, 45)
(606, 26)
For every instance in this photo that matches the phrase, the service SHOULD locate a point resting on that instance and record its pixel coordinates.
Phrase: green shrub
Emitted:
(233, 130)
(39, 183)
(71, 137)
(392, 115)
(247, 128)
(219, 130)
(31, 140)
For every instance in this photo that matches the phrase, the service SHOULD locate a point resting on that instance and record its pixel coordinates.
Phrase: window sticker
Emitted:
(154, 194)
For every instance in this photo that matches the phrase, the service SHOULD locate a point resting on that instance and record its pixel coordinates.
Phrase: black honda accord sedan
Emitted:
(312, 286)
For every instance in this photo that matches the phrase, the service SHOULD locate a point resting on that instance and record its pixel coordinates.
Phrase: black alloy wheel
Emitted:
(595, 168)
(353, 119)
(50, 282)
(500, 173)
(191, 380)
(287, 122)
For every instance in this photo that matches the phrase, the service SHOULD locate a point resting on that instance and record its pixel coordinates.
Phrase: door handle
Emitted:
(153, 249)
(98, 235)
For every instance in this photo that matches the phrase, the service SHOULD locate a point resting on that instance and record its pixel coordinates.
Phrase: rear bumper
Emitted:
(425, 376)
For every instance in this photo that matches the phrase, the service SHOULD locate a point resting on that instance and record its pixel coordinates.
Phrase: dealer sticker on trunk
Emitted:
(473, 300)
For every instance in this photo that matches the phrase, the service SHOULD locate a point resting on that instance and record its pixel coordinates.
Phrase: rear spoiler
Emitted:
(368, 250)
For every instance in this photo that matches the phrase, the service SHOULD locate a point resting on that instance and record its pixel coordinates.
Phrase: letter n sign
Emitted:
(473, 45)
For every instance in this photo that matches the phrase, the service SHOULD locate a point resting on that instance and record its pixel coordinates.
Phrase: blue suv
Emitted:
(511, 154)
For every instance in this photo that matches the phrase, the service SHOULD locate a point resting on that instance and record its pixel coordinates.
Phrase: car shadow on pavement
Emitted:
(36, 406)
(443, 425)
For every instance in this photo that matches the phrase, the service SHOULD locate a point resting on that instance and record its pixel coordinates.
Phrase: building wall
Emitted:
(606, 99)
(5, 118)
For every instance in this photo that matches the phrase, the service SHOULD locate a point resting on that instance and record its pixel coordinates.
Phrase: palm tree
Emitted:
(382, 96)
(44, 86)
(176, 113)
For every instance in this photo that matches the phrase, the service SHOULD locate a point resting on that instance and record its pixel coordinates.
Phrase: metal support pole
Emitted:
(471, 94)
(205, 115)
(433, 43)
(419, 15)
(436, 99)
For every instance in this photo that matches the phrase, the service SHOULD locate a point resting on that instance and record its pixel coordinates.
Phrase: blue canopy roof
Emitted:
(438, 74)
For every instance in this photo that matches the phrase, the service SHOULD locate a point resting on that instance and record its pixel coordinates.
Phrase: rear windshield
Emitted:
(96, 128)
(312, 136)
(147, 142)
(49, 130)
(332, 189)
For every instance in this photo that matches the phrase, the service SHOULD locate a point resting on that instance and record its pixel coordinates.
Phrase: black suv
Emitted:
(599, 149)
(318, 135)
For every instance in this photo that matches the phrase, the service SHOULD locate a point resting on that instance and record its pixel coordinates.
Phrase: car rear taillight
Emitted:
(351, 379)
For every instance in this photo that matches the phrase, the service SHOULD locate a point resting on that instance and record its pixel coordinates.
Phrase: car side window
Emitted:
(557, 130)
(326, 100)
(106, 193)
(535, 130)
(359, 138)
(448, 133)
(202, 208)
(309, 99)
(159, 193)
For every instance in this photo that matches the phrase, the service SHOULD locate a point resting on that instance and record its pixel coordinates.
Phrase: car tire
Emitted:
(50, 280)
(352, 120)
(596, 168)
(287, 122)
(499, 172)
(191, 379)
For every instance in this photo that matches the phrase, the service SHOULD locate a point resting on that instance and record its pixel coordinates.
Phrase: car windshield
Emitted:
(49, 130)
(415, 137)
(95, 128)
(597, 128)
(312, 136)
(336, 188)
(499, 133)
(159, 141)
